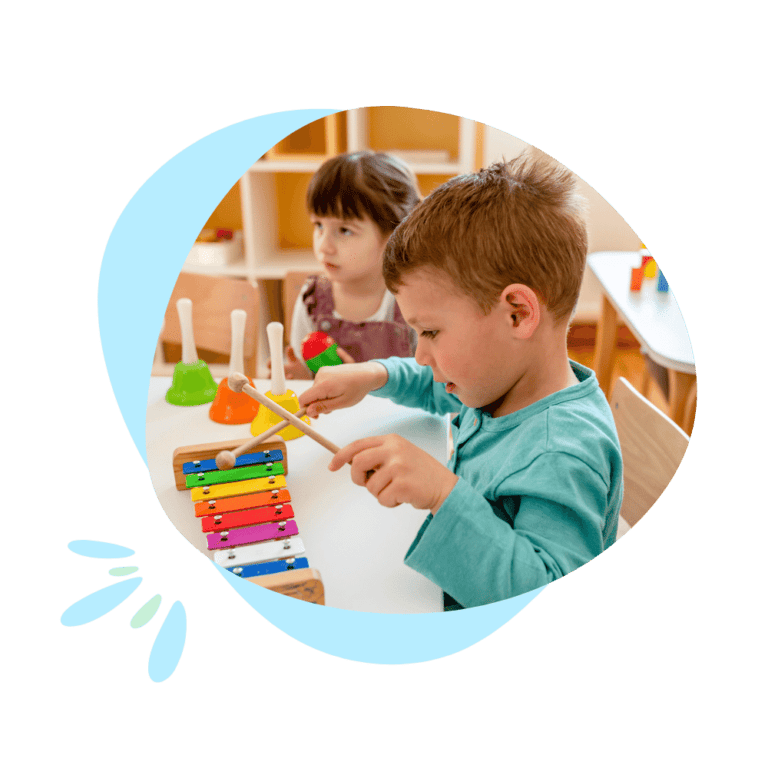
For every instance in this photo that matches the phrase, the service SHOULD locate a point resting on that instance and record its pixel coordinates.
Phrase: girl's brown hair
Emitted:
(369, 184)
(514, 222)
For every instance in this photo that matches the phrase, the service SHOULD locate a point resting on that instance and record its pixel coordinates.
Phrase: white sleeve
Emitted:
(301, 325)
(388, 305)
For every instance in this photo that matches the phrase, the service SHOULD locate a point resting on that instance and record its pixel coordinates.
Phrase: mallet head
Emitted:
(225, 460)
(237, 381)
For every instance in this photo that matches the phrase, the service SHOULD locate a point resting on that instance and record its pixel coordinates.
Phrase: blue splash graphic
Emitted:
(99, 603)
(169, 644)
(99, 549)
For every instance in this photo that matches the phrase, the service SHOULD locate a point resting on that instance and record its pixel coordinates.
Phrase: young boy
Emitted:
(487, 270)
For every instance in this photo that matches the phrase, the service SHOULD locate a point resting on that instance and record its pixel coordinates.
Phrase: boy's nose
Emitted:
(421, 357)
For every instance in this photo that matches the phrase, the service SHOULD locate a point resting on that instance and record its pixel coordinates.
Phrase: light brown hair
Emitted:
(363, 184)
(520, 221)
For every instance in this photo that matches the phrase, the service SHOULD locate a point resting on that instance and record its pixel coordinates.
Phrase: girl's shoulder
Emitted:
(317, 294)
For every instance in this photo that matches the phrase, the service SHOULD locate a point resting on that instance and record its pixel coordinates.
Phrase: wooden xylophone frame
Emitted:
(301, 583)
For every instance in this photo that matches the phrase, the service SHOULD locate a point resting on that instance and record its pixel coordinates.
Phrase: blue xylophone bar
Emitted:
(206, 465)
(276, 566)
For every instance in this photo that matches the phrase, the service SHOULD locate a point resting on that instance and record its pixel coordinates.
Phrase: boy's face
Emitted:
(473, 353)
(348, 249)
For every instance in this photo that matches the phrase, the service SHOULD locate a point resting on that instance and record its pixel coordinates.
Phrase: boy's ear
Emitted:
(522, 307)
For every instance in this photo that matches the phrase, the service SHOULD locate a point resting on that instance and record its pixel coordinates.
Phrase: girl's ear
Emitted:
(522, 308)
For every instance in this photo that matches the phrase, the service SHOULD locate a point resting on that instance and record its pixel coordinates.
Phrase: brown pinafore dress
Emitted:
(364, 341)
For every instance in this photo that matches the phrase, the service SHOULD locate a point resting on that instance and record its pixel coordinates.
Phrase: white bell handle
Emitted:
(275, 338)
(236, 362)
(188, 348)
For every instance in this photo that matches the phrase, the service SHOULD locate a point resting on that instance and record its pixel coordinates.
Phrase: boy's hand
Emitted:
(403, 473)
(340, 386)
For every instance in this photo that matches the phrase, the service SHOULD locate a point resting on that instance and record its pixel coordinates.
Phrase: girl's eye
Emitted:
(428, 334)
(345, 231)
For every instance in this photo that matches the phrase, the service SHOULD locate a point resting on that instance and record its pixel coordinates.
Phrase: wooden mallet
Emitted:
(226, 459)
(239, 383)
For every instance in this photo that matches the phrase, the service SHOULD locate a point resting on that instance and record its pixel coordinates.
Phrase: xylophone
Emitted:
(246, 514)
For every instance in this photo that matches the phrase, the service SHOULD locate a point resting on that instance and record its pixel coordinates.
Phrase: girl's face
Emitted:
(348, 249)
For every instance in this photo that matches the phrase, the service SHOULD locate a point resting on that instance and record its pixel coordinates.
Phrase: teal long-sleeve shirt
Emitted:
(538, 494)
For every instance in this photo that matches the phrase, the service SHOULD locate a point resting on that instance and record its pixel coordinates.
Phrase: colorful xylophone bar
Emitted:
(245, 514)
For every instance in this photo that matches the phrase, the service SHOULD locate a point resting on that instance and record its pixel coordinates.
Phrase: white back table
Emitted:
(655, 320)
(357, 545)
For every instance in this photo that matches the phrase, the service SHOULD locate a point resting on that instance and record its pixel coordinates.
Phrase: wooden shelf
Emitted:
(388, 129)
(430, 182)
(274, 265)
(237, 269)
(293, 227)
(285, 166)
(319, 140)
(302, 165)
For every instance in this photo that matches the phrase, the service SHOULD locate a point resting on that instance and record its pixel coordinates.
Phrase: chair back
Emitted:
(652, 447)
(292, 283)
(213, 299)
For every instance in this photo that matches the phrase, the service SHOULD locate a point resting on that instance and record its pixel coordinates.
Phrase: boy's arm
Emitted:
(399, 378)
(478, 557)
(412, 385)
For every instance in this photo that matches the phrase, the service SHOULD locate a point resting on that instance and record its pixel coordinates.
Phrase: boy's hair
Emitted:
(520, 221)
(359, 184)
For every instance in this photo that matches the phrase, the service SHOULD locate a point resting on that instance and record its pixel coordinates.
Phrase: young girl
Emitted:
(355, 201)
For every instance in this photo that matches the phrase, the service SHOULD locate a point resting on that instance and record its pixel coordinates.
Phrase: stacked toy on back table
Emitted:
(240, 495)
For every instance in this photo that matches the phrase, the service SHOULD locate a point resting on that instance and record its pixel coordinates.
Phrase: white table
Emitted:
(652, 316)
(357, 545)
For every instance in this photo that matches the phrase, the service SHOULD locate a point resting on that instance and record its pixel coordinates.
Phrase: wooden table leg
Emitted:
(680, 386)
(689, 412)
(605, 345)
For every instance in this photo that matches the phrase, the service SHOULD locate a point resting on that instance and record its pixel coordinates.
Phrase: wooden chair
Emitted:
(292, 283)
(652, 447)
(213, 299)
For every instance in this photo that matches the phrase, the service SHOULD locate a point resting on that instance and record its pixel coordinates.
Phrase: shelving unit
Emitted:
(277, 233)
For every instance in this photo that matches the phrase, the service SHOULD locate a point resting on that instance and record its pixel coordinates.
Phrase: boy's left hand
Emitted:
(404, 474)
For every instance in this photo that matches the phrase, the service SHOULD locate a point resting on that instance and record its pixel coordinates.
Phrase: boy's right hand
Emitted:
(340, 386)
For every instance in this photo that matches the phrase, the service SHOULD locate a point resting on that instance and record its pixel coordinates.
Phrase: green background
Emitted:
(626, 660)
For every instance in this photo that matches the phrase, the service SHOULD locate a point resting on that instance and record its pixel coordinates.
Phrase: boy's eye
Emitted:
(428, 334)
